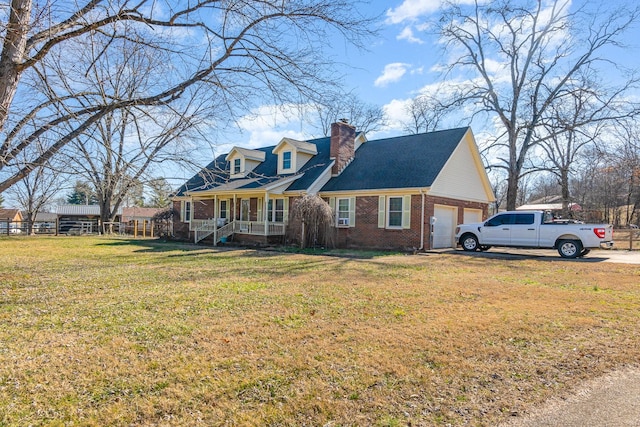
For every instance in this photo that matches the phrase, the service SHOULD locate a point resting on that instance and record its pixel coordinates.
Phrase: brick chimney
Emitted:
(343, 145)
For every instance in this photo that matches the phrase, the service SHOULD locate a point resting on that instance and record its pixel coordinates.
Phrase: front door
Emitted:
(244, 209)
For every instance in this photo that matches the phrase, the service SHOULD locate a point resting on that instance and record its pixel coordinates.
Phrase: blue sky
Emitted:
(396, 67)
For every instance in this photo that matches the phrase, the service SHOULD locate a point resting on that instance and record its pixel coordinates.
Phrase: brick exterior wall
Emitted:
(365, 235)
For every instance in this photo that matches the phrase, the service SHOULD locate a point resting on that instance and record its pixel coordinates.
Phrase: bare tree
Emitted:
(581, 117)
(516, 58)
(37, 190)
(339, 106)
(115, 153)
(240, 51)
(624, 156)
(426, 113)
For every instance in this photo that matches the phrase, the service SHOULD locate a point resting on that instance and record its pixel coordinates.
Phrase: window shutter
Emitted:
(406, 212)
(228, 210)
(352, 211)
(332, 205)
(285, 213)
(260, 202)
(382, 207)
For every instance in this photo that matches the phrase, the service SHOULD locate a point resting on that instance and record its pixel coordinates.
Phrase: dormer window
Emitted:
(286, 160)
(293, 154)
(242, 161)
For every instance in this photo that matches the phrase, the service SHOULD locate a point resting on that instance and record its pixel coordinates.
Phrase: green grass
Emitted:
(102, 331)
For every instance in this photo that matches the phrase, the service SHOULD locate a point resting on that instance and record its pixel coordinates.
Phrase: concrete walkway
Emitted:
(609, 401)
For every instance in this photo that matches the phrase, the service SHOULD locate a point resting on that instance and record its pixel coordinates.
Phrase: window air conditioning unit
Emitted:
(343, 221)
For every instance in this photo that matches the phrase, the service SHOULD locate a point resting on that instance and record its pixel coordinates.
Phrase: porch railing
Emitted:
(260, 228)
(205, 228)
(224, 232)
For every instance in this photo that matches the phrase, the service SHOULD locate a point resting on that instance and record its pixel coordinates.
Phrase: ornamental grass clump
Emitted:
(312, 222)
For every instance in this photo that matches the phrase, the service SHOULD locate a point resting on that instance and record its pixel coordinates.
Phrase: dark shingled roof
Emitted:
(411, 161)
(216, 173)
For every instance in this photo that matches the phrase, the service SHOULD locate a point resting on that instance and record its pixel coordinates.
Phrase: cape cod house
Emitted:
(406, 192)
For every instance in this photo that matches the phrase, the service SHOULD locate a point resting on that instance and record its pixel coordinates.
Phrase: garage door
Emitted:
(444, 229)
(472, 216)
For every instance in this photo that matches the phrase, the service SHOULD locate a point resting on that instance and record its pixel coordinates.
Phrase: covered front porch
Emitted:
(225, 215)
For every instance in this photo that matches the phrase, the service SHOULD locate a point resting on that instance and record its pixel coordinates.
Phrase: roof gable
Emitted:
(10, 214)
(299, 146)
(463, 176)
(255, 155)
(216, 175)
(412, 161)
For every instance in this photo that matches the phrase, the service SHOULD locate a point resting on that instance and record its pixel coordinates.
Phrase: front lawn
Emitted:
(102, 331)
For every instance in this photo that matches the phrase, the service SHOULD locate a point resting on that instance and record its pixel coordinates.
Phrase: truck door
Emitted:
(524, 231)
(497, 230)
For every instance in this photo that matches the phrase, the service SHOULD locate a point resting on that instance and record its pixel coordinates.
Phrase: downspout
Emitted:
(423, 194)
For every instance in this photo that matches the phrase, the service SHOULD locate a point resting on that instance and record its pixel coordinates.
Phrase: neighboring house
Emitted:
(10, 221)
(13, 215)
(135, 213)
(549, 203)
(386, 194)
(81, 219)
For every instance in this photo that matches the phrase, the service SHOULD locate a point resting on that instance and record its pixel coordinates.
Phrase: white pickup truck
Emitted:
(534, 229)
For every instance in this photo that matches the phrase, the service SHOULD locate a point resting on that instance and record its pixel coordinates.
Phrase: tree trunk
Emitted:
(13, 52)
(564, 189)
(512, 190)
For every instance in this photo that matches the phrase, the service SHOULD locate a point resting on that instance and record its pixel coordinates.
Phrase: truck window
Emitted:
(525, 219)
(500, 220)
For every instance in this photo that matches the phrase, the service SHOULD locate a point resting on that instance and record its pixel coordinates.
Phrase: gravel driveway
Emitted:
(609, 401)
(596, 255)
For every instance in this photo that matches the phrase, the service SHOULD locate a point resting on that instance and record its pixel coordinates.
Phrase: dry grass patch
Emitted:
(99, 331)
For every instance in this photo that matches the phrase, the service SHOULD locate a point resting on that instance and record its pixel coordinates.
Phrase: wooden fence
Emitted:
(138, 228)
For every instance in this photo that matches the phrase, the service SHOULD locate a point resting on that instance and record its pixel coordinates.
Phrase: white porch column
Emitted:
(215, 220)
(266, 214)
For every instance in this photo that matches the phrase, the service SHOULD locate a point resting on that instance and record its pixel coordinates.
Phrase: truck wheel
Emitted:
(569, 248)
(469, 243)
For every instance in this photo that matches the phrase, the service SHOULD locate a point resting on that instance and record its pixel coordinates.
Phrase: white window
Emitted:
(394, 212)
(276, 210)
(185, 212)
(394, 217)
(345, 211)
(224, 207)
(236, 166)
(286, 160)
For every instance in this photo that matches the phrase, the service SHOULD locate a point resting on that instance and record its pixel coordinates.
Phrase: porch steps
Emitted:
(224, 231)
(205, 230)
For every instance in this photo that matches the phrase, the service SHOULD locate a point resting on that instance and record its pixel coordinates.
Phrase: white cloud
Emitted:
(410, 10)
(392, 73)
(268, 124)
(407, 34)
(395, 113)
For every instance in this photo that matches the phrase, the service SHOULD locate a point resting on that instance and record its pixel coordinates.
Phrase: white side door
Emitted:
(444, 228)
